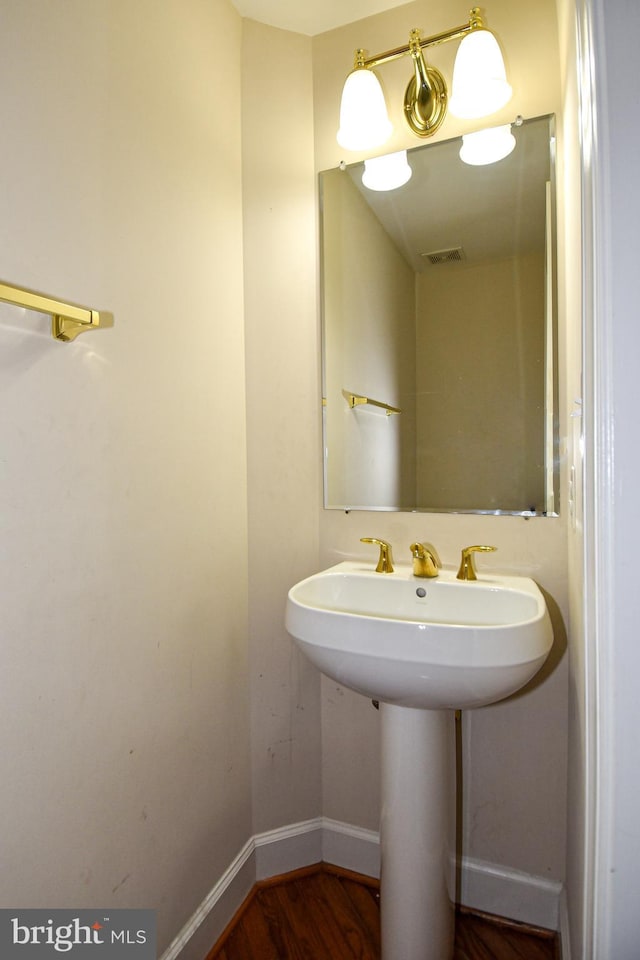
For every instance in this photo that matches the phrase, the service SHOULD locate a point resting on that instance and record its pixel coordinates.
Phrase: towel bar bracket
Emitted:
(66, 329)
(67, 319)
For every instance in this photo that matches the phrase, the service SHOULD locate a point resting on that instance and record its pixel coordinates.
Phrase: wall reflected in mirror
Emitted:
(439, 302)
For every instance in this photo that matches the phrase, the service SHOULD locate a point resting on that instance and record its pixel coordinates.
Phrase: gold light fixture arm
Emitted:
(456, 33)
(68, 320)
(426, 96)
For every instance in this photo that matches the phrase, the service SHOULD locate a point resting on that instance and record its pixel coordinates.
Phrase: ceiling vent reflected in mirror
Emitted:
(453, 255)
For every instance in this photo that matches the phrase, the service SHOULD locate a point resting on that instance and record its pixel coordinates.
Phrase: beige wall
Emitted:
(123, 571)
(514, 753)
(283, 418)
(369, 328)
(481, 405)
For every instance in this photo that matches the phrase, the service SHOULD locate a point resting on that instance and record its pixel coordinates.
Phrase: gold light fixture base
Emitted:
(426, 107)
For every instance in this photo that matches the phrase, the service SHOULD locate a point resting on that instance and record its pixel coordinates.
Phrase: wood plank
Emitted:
(283, 936)
(341, 923)
(366, 902)
(240, 947)
(298, 906)
(262, 938)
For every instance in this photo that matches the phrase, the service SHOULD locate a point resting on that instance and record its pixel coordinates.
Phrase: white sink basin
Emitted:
(428, 643)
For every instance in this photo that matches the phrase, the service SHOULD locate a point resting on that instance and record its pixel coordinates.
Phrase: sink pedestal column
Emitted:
(417, 833)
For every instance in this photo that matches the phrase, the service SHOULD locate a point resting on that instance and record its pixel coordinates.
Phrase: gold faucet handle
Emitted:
(385, 561)
(467, 569)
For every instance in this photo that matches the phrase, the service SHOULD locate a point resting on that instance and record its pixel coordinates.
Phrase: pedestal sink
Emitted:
(423, 648)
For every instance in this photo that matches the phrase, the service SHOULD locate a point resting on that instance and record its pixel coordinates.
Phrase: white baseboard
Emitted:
(288, 848)
(484, 886)
(510, 893)
(216, 911)
(301, 844)
(351, 848)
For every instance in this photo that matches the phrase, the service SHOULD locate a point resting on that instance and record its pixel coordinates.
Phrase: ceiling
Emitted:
(488, 213)
(311, 16)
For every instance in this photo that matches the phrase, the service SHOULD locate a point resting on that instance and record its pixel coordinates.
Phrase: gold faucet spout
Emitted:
(426, 562)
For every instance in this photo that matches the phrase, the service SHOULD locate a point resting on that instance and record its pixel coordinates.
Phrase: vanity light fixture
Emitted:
(388, 172)
(489, 145)
(479, 86)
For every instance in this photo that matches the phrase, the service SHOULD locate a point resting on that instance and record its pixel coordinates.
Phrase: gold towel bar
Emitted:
(67, 319)
(355, 400)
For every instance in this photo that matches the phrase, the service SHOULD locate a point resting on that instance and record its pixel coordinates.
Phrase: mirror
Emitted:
(439, 332)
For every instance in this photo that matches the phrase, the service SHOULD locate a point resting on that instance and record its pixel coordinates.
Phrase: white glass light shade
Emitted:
(387, 173)
(479, 77)
(364, 122)
(487, 146)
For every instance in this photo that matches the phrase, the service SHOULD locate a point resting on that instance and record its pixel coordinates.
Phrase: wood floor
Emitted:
(324, 913)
